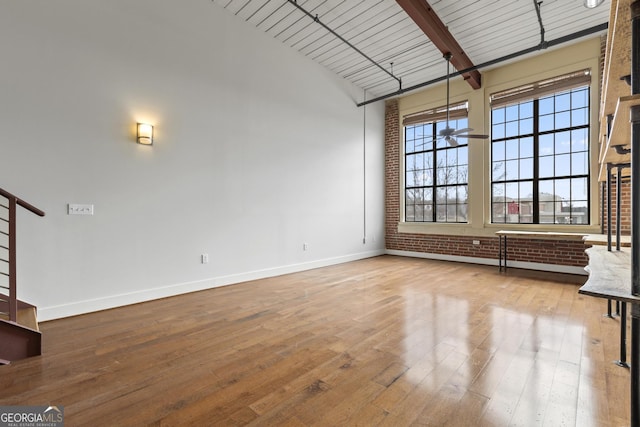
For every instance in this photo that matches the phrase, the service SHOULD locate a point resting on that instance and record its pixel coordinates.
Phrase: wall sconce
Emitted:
(145, 134)
(590, 4)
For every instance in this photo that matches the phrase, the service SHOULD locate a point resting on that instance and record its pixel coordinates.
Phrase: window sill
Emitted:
(457, 229)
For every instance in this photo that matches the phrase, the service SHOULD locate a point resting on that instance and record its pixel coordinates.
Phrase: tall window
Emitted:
(436, 173)
(540, 152)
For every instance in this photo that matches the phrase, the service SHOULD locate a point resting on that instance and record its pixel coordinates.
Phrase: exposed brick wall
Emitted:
(569, 253)
(625, 206)
(392, 171)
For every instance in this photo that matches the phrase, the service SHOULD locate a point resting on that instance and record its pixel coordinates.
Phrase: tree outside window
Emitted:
(436, 174)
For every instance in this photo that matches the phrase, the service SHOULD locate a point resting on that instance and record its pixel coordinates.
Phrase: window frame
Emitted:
(537, 174)
(436, 185)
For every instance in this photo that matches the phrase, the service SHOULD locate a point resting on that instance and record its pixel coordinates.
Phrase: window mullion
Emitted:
(434, 186)
(536, 162)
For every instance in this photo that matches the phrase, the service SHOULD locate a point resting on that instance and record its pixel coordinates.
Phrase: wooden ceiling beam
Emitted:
(426, 18)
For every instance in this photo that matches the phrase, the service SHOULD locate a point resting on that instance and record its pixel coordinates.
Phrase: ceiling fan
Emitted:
(449, 133)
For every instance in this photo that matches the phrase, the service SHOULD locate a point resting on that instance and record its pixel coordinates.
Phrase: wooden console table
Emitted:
(550, 235)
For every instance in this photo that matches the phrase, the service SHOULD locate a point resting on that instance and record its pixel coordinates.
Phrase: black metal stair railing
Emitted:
(8, 281)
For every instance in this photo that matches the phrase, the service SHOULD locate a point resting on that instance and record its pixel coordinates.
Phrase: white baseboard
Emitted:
(491, 261)
(87, 306)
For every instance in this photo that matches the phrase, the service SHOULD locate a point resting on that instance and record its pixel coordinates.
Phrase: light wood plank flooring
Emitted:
(387, 341)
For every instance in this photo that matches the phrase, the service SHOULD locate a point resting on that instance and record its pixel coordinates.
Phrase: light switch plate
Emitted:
(80, 209)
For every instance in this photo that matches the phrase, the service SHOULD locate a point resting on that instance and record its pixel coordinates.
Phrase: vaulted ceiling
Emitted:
(383, 32)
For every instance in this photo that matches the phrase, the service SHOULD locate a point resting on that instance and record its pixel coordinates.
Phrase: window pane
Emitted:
(546, 123)
(545, 105)
(441, 212)
(563, 101)
(579, 117)
(452, 214)
(546, 187)
(419, 212)
(563, 120)
(462, 212)
(579, 164)
(511, 129)
(512, 189)
(463, 155)
(526, 168)
(497, 212)
(579, 189)
(512, 169)
(408, 132)
(526, 147)
(511, 112)
(579, 139)
(563, 165)
(409, 180)
(563, 189)
(545, 145)
(428, 177)
(428, 196)
(409, 146)
(498, 151)
(428, 213)
(463, 174)
(546, 167)
(526, 126)
(441, 176)
(497, 192)
(497, 131)
(497, 115)
(452, 157)
(462, 191)
(512, 149)
(498, 171)
(409, 197)
(563, 142)
(579, 212)
(580, 98)
(526, 109)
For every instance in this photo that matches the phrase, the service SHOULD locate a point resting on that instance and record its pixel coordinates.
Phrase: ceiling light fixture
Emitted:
(590, 4)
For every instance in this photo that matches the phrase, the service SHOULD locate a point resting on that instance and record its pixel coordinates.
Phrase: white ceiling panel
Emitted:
(381, 30)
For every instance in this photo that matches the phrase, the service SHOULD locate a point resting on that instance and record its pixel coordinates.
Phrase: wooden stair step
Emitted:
(26, 317)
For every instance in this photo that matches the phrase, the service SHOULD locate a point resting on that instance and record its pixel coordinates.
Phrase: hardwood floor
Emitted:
(386, 341)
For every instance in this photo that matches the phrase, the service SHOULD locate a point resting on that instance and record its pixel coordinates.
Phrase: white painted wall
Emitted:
(258, 150)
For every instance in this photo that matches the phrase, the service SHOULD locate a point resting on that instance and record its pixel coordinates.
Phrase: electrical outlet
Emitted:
(204, 258)
(78, 209)
(305, 246)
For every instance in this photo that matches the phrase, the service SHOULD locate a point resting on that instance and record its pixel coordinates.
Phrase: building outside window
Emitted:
(540, 152)
(436, 173)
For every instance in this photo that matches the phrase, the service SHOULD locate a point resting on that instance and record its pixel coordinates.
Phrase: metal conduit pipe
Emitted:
(618, 206)
(554, 42)
(343, 40)
(635, 215)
